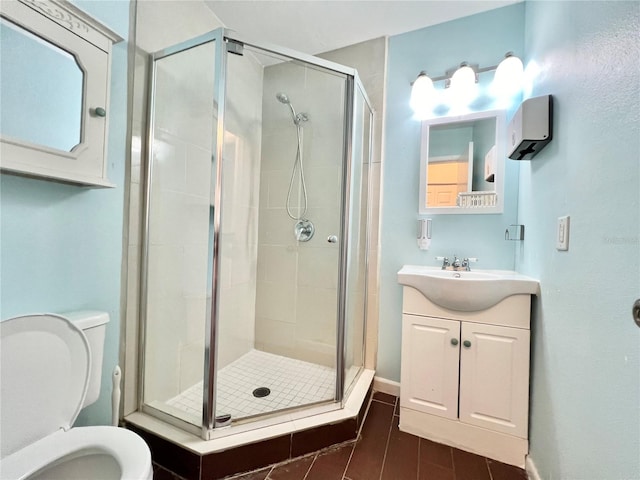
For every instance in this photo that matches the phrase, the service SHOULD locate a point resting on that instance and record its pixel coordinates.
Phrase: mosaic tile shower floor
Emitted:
(292, 383)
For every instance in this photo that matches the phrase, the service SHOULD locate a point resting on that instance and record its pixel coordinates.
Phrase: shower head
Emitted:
(282, 98)
(297, 118)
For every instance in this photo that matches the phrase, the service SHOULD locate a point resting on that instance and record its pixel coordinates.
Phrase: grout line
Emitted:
(453, 464)
(315, 457)
(386, 448)
(486, 461)
(364, 419)
(346, 467)
(418, 469)
(269, 474)
(382, 401)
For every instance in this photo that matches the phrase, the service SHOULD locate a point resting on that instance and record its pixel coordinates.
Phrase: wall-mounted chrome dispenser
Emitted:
(531, 128)
(424, 233)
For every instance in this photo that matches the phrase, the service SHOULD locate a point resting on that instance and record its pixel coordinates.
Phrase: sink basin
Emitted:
(466, 291)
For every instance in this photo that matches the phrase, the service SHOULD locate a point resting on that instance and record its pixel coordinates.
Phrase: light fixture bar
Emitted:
(476, 68)
(462, 80)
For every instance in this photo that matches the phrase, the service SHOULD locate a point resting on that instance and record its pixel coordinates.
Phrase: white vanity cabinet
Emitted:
(55, 89)
(465, 375)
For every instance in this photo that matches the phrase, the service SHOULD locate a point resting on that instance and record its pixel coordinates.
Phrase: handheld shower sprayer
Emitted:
(282, 98)
(296, 117)
(304, 228)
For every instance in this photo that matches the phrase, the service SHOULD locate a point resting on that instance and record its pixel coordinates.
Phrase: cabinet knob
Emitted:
(454, 341)
(466, 343)
(100, 112)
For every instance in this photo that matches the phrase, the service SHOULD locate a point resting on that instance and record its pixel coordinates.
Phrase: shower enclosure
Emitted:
(254, 257)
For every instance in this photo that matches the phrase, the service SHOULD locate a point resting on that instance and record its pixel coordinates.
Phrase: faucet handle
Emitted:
(445, 262)
(467, 261)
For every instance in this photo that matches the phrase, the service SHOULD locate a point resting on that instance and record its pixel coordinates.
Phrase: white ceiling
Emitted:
(316, 26)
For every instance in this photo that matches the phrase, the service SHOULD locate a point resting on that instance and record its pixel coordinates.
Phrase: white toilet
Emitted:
(49, 371)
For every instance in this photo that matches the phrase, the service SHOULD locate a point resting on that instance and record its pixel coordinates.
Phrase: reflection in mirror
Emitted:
(41, 88)
(461, 167)
(457, 154)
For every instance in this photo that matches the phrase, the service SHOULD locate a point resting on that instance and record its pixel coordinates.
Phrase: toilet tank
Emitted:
(94, 326)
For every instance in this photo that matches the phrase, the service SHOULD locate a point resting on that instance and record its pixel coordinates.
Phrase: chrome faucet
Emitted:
(457, 264)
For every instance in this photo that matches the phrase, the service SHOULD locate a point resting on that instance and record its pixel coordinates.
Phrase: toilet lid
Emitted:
(45, 363)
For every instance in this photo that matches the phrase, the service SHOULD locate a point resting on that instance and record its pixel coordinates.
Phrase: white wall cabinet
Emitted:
(465, 376)
(55, 92)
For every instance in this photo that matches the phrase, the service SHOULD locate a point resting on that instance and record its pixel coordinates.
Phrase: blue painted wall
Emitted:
(482, 39)
(61, 245)
(585, 392)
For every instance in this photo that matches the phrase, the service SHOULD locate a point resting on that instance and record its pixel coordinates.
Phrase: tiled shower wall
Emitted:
(297, 281)
(286, 323)
(239, 232)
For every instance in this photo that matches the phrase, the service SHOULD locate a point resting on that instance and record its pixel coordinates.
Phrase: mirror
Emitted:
(462, 164)
(41, 87)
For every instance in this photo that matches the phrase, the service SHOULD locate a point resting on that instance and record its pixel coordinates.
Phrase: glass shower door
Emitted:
(254, 260)
(356, 287)
(175, 280)
(279, 235)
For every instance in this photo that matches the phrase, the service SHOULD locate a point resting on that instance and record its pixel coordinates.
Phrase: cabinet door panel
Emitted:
(494, 378)
(430, 365)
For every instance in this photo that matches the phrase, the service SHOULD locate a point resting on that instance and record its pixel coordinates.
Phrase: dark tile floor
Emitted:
(385, 453)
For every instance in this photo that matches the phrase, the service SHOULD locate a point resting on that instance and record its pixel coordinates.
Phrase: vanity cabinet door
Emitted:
(430, 356)
(494, 377)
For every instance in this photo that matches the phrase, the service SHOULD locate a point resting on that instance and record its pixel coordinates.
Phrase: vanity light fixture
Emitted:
(462, 86)
(509, 76)
(462, 81)
(422, 93)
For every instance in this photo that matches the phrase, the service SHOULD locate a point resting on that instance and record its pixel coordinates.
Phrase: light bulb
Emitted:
(509, 77)
(422, 94)
(463, 86)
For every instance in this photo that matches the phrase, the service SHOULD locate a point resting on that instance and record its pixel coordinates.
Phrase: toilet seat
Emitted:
(125, 447)
(46, 361)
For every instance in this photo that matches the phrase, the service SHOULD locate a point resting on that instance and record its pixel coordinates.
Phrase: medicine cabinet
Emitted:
(54, 85)
(462, 164)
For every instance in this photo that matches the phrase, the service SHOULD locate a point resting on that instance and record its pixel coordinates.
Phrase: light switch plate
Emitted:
(562, 234)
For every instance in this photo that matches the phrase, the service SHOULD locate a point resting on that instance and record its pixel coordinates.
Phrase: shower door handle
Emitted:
(332, 239)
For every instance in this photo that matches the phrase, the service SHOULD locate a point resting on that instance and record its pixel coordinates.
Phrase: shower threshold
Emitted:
(288, 423)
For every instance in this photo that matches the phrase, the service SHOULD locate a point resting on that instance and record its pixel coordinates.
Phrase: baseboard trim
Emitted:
(531, 469)
(386, 386)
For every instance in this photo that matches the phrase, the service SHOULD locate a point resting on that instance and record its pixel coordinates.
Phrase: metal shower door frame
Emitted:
(222, 38)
